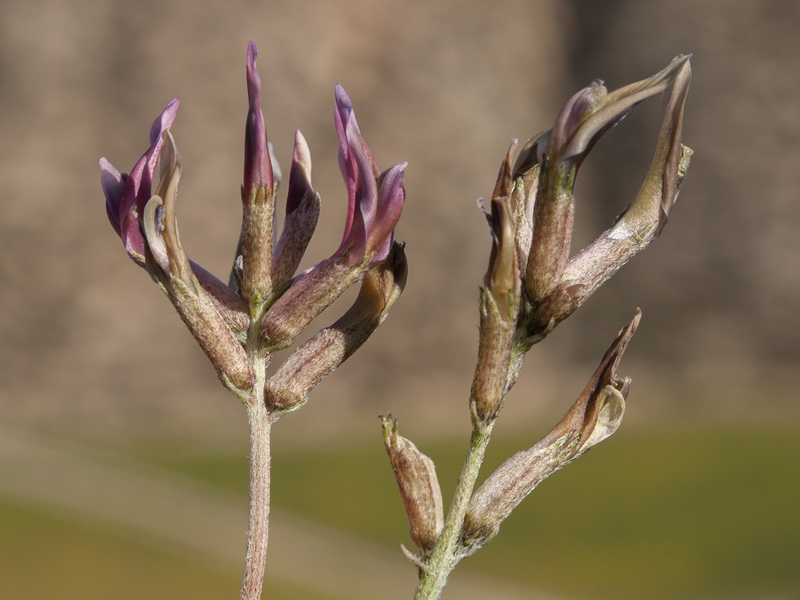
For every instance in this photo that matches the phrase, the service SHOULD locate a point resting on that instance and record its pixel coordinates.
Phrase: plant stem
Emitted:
(260, 421)
(447, 553)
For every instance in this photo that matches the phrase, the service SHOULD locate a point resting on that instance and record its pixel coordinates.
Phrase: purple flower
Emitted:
(375, 199)
(126, 194)
(257, 163)
(264, 292)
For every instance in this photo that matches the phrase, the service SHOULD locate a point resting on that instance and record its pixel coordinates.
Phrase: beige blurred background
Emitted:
(89, 345)
(90, 348)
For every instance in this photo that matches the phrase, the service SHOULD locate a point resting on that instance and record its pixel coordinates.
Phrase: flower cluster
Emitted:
(267, 305)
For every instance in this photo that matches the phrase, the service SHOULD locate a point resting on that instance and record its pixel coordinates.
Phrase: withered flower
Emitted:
(595, 415)
(555, 284)
(499, 303)
(419, 487)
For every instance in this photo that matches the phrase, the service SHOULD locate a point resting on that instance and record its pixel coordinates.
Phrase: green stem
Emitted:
(260, 421)
(448, 552)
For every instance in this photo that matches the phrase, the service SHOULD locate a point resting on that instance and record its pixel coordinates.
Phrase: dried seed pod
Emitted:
(416, 477)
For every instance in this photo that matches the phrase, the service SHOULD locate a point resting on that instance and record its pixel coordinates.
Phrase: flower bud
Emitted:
(419, 487)
(302, 213)
(375, 198)
(258, 194)
(525, 178)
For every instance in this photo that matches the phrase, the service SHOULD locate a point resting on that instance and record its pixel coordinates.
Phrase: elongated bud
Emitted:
(258, 194)
(302, 213)
(500, 299)
(592, 418)
(288, 389)
(419, 487)
(168, 265)
(375, 198)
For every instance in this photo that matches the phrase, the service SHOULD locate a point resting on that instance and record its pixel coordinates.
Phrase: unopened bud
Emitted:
(258, 194)
(525, 178)
(302, 213)
(419, 487)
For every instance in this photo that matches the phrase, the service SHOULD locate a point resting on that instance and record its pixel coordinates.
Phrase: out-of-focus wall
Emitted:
(88, 342)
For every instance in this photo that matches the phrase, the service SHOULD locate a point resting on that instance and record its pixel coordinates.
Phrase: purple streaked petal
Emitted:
(342, 116)
(257, 163)
(391, 199)
(362, 176)
(576, 110)
(366, 186)
(112, 183)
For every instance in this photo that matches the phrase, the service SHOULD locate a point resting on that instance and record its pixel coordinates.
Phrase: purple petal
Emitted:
(112, 183)
(299, 173)
(576, 110)
(257, 163)
(392, 197)
(361, 174)
(342, 116)
(125, 204)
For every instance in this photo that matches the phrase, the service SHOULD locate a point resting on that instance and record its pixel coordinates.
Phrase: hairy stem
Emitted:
(448, 551)
(260, 421)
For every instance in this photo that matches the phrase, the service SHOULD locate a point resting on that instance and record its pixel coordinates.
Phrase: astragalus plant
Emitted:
(533, 283)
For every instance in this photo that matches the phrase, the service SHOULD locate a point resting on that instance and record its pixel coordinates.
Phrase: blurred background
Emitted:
(123, 462)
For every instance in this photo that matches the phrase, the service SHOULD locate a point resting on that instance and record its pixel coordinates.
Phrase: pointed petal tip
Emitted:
(170, 111)
(252, 55)
(300, 139)
(342, 99)
(110, 179)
